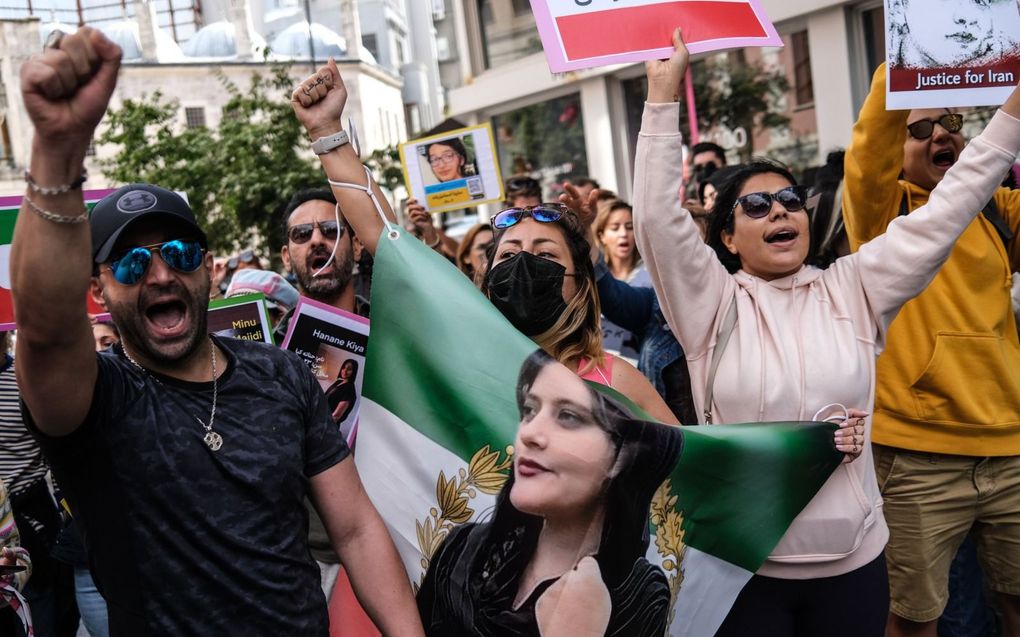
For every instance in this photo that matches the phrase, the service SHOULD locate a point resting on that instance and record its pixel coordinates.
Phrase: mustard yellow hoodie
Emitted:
(949, 378)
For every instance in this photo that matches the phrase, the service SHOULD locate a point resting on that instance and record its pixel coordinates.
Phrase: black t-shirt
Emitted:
(183, 540)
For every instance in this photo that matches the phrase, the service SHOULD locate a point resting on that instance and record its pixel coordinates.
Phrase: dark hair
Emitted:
(825, 210)
(522, 186)
(353, 364)
(304, 196)
(585, 181)
(577, 333)
(454, 143)
(709, 147)
(726, 199)
(647, 452)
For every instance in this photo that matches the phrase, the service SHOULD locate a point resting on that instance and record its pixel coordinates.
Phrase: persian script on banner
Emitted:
(945, 53)
(582, 34)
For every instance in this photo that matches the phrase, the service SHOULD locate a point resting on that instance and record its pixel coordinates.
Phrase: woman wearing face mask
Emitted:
(789, 339)
(564, 553)
(540, 276)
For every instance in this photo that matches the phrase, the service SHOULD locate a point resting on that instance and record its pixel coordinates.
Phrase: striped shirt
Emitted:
(21, 459)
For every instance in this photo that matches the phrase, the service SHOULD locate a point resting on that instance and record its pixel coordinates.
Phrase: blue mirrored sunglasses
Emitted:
(543, 213)
(183, 255)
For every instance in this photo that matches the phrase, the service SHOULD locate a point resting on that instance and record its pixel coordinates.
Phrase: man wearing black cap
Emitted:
(185, 457)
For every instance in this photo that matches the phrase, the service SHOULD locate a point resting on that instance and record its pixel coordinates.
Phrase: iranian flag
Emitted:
(439, 420)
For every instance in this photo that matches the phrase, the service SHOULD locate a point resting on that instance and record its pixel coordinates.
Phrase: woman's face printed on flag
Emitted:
(562, 456)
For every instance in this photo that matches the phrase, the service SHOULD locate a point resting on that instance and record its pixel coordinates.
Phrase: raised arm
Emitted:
(688, 277)
(319, 103)
(899, 264)
(628, 306)
(874, 159)
(66, 91)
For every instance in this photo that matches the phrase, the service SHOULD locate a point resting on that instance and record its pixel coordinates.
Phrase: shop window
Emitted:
(544, 140)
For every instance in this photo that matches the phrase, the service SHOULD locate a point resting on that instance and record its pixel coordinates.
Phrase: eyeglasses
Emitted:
(183, 255)
(542, 213)
(924, 128)
(445, 158)
(758, 204)
(302, 232)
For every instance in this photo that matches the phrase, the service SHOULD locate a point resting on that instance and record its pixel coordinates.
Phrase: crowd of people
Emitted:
(160, 480)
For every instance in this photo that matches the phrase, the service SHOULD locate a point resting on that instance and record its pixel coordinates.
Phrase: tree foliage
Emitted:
(730, 92)
(239, 177)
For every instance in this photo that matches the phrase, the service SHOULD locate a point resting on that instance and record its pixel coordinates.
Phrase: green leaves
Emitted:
(238, 177)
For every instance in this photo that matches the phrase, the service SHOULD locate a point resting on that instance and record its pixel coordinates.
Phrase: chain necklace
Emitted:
(212, 439)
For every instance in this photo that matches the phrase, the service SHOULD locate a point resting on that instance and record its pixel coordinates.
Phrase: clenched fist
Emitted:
(319, 101)
(67, 88)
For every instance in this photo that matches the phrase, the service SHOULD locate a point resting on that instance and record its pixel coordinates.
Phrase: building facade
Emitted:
(558, 126)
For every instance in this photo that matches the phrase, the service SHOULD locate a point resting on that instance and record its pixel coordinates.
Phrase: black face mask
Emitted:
(528, 290)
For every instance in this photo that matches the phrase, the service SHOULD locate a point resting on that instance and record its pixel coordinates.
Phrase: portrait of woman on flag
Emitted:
(564, 552)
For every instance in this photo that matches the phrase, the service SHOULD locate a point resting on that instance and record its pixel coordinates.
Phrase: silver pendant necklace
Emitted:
(212, 439)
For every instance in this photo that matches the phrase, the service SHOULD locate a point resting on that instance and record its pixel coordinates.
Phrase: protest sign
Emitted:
(944, 53)
(244, 316)
(453, 170)
(9, 207)
(333, 343)
(585, 34)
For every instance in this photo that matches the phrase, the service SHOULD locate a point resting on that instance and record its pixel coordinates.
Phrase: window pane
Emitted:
(507, 31)
(545, 140)
(874, 38)
(802, 81)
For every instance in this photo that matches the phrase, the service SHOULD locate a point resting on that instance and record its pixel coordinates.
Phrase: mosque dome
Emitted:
(125, 34)
(292, 42)
(217, 40)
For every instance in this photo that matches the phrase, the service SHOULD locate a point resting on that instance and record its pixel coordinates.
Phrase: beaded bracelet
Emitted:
(58, 190)
(54, 217)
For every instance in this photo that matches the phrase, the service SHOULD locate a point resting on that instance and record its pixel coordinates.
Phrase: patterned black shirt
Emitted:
(186, 541)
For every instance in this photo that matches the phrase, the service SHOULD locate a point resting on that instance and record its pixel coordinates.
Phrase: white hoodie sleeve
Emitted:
(898, 265)
(690, 281)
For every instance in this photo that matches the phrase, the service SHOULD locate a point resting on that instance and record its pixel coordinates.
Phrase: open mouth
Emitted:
(167, 316)
(781, 236)
(944, 158)
(318, 261)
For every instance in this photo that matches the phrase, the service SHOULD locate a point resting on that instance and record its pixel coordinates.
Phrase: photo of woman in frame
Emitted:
(447, 160)
(564, 553)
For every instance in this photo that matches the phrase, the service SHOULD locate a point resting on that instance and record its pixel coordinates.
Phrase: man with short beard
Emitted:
(320, 251)
(185, 457)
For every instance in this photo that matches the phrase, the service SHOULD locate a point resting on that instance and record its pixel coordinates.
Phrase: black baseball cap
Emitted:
(118, 210)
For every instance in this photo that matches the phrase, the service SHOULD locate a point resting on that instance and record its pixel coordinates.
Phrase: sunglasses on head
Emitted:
(758, 204)
(522, 183)
(183, 255)
(924, 128)
(245, 257)
(543, 213)
(302, 232)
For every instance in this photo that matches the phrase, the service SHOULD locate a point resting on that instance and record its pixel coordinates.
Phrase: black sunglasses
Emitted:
(924, 128)
(183, 255)
(522, 183)
(542, 213)
(758, 204)
(302, 232)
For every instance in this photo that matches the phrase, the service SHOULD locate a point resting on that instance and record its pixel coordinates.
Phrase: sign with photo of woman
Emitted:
(333, 344)
(453, 170)
(951, 52)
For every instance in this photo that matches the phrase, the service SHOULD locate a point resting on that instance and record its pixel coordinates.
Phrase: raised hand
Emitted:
(584, 208)
(850, 437)
(664, 76)
(422, 221)
(319, 101)
(67, 88)
(578, 604)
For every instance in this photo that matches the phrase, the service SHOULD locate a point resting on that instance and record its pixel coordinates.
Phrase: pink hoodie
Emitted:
(809, 339)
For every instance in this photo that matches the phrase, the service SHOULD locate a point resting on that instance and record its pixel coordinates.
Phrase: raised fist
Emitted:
(319, 101)
(68, 86)
(664, 76)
